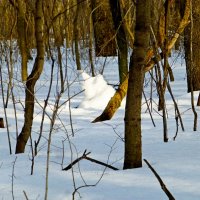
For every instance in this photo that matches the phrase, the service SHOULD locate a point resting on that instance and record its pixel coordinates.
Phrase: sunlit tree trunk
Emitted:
(32, 79)
(193, 69)
(133, 140)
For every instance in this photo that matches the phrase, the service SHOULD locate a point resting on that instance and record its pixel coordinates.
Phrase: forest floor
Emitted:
(177, 162)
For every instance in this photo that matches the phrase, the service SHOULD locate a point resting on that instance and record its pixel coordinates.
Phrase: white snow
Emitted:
(97, 91)
(177, 162)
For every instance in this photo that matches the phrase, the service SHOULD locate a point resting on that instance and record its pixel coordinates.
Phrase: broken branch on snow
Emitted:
(85, 156)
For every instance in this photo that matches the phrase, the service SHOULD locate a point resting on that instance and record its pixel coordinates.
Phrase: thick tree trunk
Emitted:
(32, 79)
(133, 140)
(121, 39)
(193, 69)
(105, 44)
(58, 23)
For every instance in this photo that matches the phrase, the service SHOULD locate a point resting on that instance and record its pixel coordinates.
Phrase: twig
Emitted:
(45, 103)
(114, 129)
(176, 118)
(25, 195)
(33, 156)
(148, 109)
(70, 98)
(76, 190)
(160, 88)
(13, 176)
(177, 112)
(163, 186)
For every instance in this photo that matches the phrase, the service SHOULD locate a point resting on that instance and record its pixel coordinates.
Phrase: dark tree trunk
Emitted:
(32, 79)
(105, 44)
(193, 70)
(21, 30)
(121, 39)
(57, 23)
(133, 140)
(1, 123)
(76, 36)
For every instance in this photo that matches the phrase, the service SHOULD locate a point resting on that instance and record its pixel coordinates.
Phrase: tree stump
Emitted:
(1, 123)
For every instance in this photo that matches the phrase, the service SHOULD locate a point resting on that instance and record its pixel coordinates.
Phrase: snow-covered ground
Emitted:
(177, 162)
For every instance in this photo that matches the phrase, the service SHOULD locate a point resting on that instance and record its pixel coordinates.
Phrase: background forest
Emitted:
(99, 99)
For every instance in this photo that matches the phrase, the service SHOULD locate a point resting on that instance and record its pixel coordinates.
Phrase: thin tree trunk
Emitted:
(32, 79)
(91, 35)
(133, 140)
(121, 39)
(76, 37)
(193, 71)
(21, 30)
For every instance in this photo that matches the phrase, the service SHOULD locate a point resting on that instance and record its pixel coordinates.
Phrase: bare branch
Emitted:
(85, 156)
(163, 186)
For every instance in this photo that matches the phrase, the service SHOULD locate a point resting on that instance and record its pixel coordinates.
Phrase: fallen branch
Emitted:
(101, 163)
(163, 186)
(85, 156)
(114, 103)
(76, 161)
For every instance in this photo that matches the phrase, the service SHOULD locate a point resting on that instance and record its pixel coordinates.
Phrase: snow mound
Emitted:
(97, 91)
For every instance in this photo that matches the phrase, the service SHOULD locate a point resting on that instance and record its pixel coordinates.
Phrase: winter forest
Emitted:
(99, 99)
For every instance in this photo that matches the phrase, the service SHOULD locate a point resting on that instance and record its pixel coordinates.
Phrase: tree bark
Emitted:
(133, 141)
(32, 79)
(57, 23)
(76, 36)
(121, 39)
(193, 69)
(1, 123)
(104, 33)
(21, 30)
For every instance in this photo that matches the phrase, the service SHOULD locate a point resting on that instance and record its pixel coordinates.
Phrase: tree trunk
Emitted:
(57, 23)
(21, 30)
(1, 123)
(105, 44)
(193, 69)
(76, 36)
(32, 79)
(133, 141)
(121, 39)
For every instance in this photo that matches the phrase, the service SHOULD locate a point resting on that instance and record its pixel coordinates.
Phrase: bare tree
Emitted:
(133, 140)
(32, 79)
